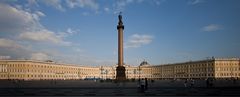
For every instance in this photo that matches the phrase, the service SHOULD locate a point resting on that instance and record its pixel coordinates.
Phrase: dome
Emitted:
(144, 63)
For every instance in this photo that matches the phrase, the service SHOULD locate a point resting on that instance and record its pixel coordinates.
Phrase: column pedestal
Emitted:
(121, 76)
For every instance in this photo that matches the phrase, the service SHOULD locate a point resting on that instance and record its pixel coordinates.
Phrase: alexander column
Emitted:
(121, 76)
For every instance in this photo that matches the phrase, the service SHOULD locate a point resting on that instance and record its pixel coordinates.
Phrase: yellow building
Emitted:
(209, 68)
(39, 70)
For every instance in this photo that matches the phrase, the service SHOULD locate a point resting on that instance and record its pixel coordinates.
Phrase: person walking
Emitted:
(139, 85)
(192, 82)
(146, 84)
(207, 82)
(211, 82)
(185, 83)
(142, 85)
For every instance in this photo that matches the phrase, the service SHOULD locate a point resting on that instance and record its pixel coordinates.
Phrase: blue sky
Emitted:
(85, 31)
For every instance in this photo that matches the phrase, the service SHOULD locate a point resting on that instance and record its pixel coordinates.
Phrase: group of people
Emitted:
(192, 82)
(209, 82)
(143, 85)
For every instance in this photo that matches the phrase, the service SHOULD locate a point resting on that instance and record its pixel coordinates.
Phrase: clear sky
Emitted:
(85, 31)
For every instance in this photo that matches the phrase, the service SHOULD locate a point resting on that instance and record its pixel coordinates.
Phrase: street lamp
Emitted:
(207, 68)
(113, 73)
(134, 71)
(127, 75)
(106, 72)
(101, 68)
(231, 69)
(139, 71)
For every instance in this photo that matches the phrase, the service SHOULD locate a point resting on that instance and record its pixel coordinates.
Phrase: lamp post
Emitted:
(127, 74)
(40, 76)
(231, 69)
(207, 68)
(139, 71)
(188, 67)
(134, 71)
(101, 68)
(8, 73)
(113, 73)
(106, 72)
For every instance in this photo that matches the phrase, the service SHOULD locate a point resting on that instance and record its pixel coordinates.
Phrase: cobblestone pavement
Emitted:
(91, 88)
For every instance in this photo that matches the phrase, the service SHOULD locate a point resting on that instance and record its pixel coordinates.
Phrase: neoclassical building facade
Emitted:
(48, 70)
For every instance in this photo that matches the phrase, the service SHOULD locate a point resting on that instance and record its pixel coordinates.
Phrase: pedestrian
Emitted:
(234, 81)
(142, 85)
(185, 83)
(139, 85)
(146, 84)
(211, 83)
(192, 82)
(207, 82)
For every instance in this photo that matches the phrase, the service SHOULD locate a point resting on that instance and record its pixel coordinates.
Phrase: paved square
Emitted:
(90, 88)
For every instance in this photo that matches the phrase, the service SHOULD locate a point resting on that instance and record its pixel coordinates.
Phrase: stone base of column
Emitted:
(121, 76)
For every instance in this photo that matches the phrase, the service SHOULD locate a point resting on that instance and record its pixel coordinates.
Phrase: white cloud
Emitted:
(5, 57)
(106, 9)
(37, 15)
(26, 25)
(121, 4)
(44, 36)
(85, 13)
(29, 36)
(32, 2)
(78, 50)
(72, 31)
(158, 2)
(7, 43)
(92, 4)
(19, 51)
(212, 27)
(63, 5)
(13, 49)
(54, 3)
(129, 1)
(40, 14)
(17, 20)
(194, 2)
(137, 40)
(68, 33)
(39, 56)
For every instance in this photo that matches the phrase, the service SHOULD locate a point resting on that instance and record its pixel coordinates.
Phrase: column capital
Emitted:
(120, 26)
